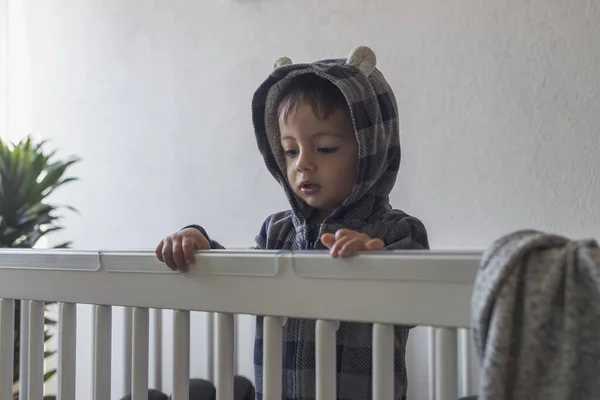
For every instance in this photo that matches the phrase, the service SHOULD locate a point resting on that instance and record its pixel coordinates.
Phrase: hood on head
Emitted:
(374, 114)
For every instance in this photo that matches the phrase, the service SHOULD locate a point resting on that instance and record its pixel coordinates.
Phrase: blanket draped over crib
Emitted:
(536, 318)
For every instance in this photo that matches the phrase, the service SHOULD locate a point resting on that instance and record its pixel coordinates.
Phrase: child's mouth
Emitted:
(310, 188)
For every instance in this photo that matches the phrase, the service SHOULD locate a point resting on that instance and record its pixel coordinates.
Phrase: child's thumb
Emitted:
(328, 239)
(375, 244)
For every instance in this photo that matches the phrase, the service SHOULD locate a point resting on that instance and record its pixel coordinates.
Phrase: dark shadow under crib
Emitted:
(201, 389)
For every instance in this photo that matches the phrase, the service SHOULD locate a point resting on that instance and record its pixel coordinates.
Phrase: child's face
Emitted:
(321, 157)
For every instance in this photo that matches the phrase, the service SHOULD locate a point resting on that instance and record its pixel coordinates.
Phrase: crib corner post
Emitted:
(7, 318)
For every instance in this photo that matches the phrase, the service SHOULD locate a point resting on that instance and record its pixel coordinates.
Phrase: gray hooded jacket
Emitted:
(536, 318)
(374, 114)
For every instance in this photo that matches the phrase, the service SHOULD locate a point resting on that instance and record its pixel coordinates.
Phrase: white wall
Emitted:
(499, 104)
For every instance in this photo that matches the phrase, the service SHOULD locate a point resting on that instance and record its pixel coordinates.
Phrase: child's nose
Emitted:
(305, 162)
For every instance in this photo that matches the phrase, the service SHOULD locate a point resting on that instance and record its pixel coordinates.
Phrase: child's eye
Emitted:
(327, 149)
(290, 153)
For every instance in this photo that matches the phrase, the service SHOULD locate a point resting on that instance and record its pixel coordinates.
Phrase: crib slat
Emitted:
(24, 352)
(325, 332)
(36, 349)
(431, 362)
(465, 363)
(140, 345)
(383, 361)
(7, 333)
(236, 360)
(210, 346)
(127, 348)
(272, 358)
(102, 352)
(181, 355)
(67, 340)
(224, 381)
(157, 344)
(446, 364)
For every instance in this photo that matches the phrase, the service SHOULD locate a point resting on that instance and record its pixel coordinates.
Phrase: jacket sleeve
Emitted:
(260, 241)
(406, 233)
(214, 245)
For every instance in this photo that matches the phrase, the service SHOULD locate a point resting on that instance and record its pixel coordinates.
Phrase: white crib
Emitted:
(430, 288)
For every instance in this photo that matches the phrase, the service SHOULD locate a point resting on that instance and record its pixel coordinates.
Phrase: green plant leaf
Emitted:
(49, 353)
(29, 175)
(49, 374)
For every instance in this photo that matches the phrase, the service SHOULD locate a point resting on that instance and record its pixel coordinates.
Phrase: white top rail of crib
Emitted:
(400, 287)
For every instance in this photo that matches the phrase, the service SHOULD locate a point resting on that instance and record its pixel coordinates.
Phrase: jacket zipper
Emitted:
(312, 240)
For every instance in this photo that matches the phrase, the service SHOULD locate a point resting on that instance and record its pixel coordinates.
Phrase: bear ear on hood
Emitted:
(363, 58)
(282, 61)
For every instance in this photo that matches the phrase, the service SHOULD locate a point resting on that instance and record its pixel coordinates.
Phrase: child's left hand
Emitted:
(345, 242)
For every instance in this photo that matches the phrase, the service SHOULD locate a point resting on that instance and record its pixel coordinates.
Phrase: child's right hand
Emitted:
(177, 250)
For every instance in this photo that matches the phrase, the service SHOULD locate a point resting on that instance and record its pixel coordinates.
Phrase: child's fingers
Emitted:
(158, 252)
(178, 255)
(339, 244)
(375, 244)
(351, 246)
(167, 253)
(328, 239)
(188, 249)
(340, 233)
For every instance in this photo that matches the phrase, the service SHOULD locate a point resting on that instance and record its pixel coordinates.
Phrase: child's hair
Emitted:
(320, 93)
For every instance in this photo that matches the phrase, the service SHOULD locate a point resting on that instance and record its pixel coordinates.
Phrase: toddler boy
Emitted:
(329, 134)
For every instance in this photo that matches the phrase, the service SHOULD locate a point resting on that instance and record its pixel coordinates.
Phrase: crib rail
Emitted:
(407, 288)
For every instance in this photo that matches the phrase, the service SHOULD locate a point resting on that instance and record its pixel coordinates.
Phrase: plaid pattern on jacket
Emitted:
(375, 117)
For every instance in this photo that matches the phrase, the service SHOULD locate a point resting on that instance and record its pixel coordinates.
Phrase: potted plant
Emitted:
(28, 176)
